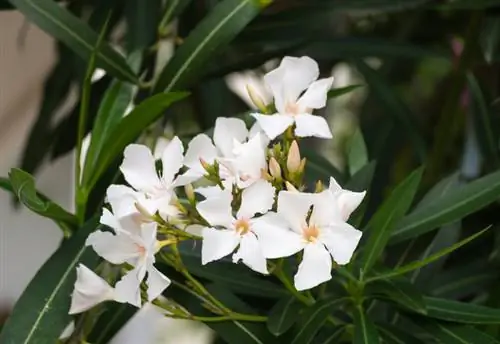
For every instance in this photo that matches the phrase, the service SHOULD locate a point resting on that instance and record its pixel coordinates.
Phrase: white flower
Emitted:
(323, 236)
(90, 290)
(347, 200)
(241, 82)
(241, 154)
(154, 192)
(136, 246)
(288, 83)
(236, 230)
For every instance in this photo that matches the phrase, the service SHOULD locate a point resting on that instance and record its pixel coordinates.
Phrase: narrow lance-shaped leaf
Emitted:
(394, 335)
(461, 312)
(63, 25)
(129, 129)
(456, 334)
(454, 206)
(357, 153)
(400, 291)
(337, 92)
(385, 219)
(41, 314)
(314, 318)
(23, 186)
(217, 29)
(283, 315)
(365, 331)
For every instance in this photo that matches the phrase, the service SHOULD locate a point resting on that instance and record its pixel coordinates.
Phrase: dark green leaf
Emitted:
(6, 185)
(129, 129)
(217, 29)
(394, 335)
(359, 182)
(400, 291)
(394, 105)
(142, 19)
(461, 312)
(383, 222)
(41, 314)
(23, 186)
(365, 331)
(454, 206)
(111, 112)
(420, 263)
(456, 334)
(337, 92)
(357, 153)
(63, 25)
(319, 168)
(283, 315)
(314, 318)
(443, 187)
(469, 4)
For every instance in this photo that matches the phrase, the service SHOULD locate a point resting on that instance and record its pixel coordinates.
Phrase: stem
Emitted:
(289, 286)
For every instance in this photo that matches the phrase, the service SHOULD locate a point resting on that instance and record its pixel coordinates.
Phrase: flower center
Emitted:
(310, 233)
(242, 226)
(141, 249)
(292, 108)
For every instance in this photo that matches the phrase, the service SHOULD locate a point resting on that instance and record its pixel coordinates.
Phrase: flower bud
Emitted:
(290, 187)
(205, 164)
(274, 168)
(293, 160)
(143, 211)
(302, 165)
(319, 187)
(188, 189)
(256, 99)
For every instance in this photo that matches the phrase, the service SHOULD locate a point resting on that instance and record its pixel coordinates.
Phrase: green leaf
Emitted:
(361, 181)
(457, 334)
(217, 29)
(483, 122)
(454, 206)
(283, 315)
(173, 9)
(443, 187)
(394, 105)
(357, 153)
(115, 316)
(6, 185)
(63, 25)
(365, 331)
(41, 313)
(386, 217)
(314, 318)
(461, 312)
(419, 263)
(23, 185)
(400, 291)
(469, 4)
(340, 91)
(111, 112)
(319, 168)
(129, 129)
(142, 18)
(394, 335)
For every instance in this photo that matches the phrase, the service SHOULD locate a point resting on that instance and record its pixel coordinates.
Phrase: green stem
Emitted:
(290, 287)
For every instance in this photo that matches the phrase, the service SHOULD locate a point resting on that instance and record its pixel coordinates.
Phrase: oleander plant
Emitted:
(287, 171)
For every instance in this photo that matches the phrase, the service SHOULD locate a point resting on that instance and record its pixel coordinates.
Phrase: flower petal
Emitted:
(217, 210)
(209, 191)
(157, 282)
(138, 168)
(348, 201)
(315, 268)
(200, 146)
(294, 206)
(108, 219)
(127, 289)
(311, 125)
(148, 238)
(316, 95)
(226, 131)
(172, 159)
(250, 162)
(341, 239)
(217, 243)
(90, 290)
(334, 186)
(122, 199)
(116, 249)
(325, 209)
(250, 254)
(273, 125)
(275, 239)
(257, 198)
(256, 129)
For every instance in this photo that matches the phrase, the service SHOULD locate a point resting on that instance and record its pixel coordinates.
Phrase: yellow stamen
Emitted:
(242, 226)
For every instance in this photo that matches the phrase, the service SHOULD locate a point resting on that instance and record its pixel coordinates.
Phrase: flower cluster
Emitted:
(250, 201)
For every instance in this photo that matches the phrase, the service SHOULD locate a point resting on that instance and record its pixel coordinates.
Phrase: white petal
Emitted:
(341, 239)
(209, 191)
(226, 130)
(256, 129)
(250, 162)
(290, 79)
(257, 198)
(315, 268)
(162, 205)
(194, 229)
(325, 209)
(251, 254)
(275, 239)
(160, 145)
(90, 290)
(293, 207)
(316, 95)
(138, 168)
(127, 289)
(122, 199)
(200, 146)
(157, 283)
(108, 219)
(190, 176)
(116, 249)
(217, 210)
(348, 201)
(172, 160)
(148, 236)
(311, 125)
(273, 125)
(334, 186)
(217, 243)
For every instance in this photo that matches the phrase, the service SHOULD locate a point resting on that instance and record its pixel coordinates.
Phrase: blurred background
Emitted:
(424, 76)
